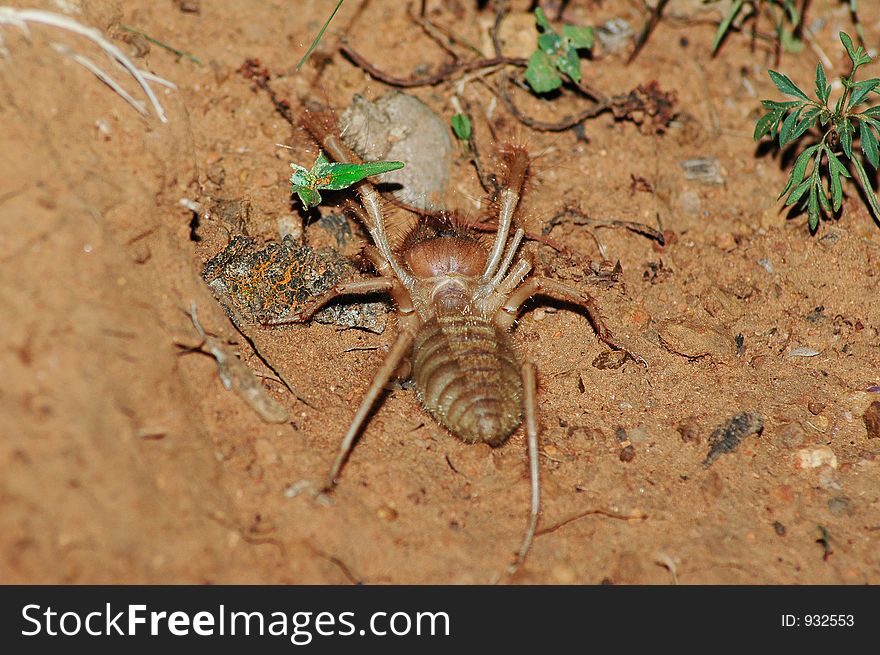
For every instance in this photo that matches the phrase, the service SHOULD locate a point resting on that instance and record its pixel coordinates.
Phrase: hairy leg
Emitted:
(543, 286)
(530, 405)
(396, 355)
(358, 287)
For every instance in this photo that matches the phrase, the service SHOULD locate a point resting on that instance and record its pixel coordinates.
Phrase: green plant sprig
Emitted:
(556, 53)
(332, 176)
(788, 121)
(780, 12)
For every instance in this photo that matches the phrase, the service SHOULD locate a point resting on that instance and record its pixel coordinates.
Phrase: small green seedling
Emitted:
(781, 12)
(556, 52)
(332, 176)
(790, 120)
(461, 126)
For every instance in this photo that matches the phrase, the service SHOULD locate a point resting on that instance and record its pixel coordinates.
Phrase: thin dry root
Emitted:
(21, 17)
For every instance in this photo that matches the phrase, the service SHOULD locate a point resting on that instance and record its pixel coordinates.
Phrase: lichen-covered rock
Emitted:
(268, 284)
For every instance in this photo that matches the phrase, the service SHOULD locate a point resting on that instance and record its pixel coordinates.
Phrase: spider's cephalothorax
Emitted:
(457, 298)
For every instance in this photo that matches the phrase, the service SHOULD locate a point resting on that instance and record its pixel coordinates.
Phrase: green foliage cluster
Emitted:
(784, 15)
(790, 120)
(556, 53)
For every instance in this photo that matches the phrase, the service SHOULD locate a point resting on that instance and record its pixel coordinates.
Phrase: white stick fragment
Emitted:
(21, 17)
(101, 75)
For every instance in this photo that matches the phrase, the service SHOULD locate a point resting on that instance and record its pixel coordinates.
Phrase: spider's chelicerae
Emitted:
(457, 299)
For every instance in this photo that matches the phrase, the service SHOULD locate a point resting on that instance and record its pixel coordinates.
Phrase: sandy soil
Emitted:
(125, 460)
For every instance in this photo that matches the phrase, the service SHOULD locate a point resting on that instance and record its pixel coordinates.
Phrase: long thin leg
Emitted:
(358, 287)
(530, 402)
(517, 166)
(398, 351)
(492, 284)
(543, 286)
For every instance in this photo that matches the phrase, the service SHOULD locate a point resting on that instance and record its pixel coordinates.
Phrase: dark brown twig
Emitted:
(591, 512)
(445, 73)
(501, 10)
(557, 126)
(653, 20)
(486, 181)
(435, 31)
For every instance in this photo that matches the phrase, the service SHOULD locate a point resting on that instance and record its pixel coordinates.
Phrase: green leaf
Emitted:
(799, 191)
(580, 38)
(461, 125)
(836, 190)
(788, 126)
(869, 144)
(823, 201)
(848, 44)
(569, 64)
(765, 124)
(835, 170)
(813, 208)
(845, 131)
(550, 42)
(786, 86)
(808, 120)
(725, 24)
(800, 168)
(856, 55)
(541, 73)
(775, 104)
(870, 120)
(823, 89)
(860, 90)
(542, 21)
(872, 111)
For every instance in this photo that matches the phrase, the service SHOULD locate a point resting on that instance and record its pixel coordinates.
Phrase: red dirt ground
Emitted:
(125, 461)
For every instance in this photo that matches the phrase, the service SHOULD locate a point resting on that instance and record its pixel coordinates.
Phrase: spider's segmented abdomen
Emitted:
(468, 377)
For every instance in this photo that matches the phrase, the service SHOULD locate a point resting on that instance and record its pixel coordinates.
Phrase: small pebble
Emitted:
(803, 351)
(387, 513)
(779, 528)
(706, 170)
(810, 458)
(615, 34)
(829, 239)
(828, 479)
(609, 359)
(689, 202)
(815, 407)
(639, 434)
(791, 434)
(840, 505)
(871, 418)
(726, 241)
(765, 264)
(689, 430)
(726, 438)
